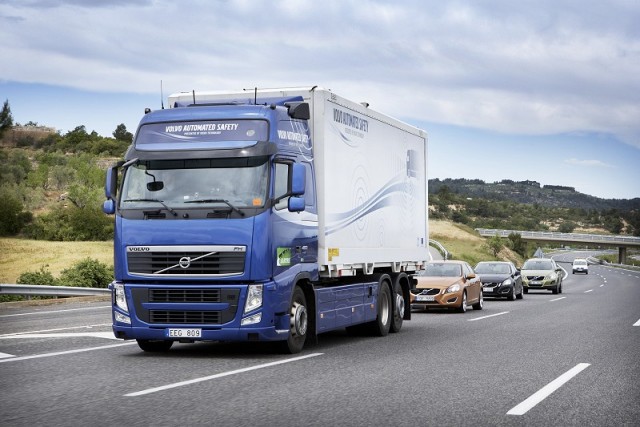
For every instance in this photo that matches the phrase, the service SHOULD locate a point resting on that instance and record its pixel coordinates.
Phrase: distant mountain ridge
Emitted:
(531, 192)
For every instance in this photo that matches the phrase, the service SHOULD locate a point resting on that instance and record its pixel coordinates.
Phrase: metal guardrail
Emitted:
(43, 290)
(443, 251)
(564, 237)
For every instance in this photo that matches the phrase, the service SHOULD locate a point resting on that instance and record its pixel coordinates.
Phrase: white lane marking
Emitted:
(54, 311)
(5, 355)
(107, 335)
(486, 317)
(590, 290)
(637, 323)
(54, 330)
(556, 299)
(537, 397)
(602, 285)
(62, 353)
(220, 375)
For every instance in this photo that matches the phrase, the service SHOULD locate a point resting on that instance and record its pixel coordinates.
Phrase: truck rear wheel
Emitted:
(155, 346)
(398, 306)
(380, 327)
(298, 323)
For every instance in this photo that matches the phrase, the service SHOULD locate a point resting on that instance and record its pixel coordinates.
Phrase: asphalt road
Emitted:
(557, 360)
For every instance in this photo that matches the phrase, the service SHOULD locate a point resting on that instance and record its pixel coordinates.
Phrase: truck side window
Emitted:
(281, 184)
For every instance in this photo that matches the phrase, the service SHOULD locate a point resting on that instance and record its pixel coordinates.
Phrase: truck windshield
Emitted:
(235, 183)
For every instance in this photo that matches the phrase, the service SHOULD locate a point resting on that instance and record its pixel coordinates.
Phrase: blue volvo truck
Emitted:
(268, 216)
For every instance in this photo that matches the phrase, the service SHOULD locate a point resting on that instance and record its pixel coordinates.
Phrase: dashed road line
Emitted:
(63, 353)
(523, 407)
(220, 375)
(486, 317)
(556, 299)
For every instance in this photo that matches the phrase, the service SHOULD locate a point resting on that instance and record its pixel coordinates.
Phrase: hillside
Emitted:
(531, 192)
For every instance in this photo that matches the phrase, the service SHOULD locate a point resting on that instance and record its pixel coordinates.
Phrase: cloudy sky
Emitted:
(544, 90)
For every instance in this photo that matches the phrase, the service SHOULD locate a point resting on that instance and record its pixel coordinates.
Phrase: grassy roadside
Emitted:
(465, 244)
(21, 255)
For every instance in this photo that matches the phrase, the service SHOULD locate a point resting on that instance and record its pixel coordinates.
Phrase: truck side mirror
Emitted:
(109, 207)
(298, 178)
(296, 204)
(111, 184)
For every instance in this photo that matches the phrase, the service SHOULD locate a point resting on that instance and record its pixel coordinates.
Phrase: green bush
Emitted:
(41, 277)
(88, 273)
(71, 224)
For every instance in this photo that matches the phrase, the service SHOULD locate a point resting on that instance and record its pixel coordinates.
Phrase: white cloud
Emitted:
(538, 67)
(588, 163)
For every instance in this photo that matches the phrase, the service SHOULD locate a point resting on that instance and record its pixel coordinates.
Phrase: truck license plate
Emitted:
(184, 333)
(425, 298)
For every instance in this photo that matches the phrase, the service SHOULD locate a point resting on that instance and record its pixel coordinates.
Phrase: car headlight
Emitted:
(119, 296)
(507, 282)
(551, 277)
(254, 298)
(453, 288)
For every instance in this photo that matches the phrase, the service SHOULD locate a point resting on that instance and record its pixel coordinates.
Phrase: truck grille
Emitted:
(184, 295)
(184, 317)
(179, 261)
(145, 299)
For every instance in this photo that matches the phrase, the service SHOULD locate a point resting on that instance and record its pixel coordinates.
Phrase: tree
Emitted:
(6, 119)
(121, 133)
(495, 244)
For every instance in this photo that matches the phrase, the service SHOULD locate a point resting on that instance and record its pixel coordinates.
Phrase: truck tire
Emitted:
(380, 327)
(155, 346)
(397, 298)
(298, 323)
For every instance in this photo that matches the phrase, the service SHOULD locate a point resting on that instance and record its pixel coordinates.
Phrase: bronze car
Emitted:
(447, 284)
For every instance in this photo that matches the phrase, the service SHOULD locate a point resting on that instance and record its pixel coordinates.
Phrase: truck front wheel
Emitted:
(298, 323)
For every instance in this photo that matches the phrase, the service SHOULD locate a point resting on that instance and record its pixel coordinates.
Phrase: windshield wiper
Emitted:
(154, 200)
(233, 208)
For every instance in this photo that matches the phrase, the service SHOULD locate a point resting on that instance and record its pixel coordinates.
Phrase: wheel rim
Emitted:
(385, 309)
(464, 301)
(299, 319)
(400, 305)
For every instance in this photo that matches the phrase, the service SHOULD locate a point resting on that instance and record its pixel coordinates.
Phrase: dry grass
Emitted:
(20, 255)
(464, 243)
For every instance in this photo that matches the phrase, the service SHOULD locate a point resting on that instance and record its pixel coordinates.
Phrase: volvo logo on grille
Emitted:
(185, 262)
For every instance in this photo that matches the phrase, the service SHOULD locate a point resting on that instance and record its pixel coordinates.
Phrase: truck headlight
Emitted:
(119, 297)
(254, 298)
(251, 320)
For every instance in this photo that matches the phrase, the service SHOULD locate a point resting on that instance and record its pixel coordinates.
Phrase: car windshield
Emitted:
(441, 270)
(492, 268)
(182, 183)
(580, 262)
(538, 264)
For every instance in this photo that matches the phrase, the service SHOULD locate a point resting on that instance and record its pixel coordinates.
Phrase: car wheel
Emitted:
(463, 306)
(560, 288)
(555, 288)
(480, 304)
(521, 294)
(512, 294)
(526, 290)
